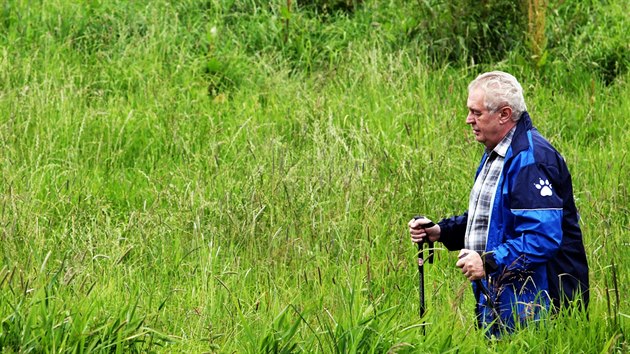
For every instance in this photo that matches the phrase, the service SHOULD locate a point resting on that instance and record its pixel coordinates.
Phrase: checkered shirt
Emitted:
(482, 196)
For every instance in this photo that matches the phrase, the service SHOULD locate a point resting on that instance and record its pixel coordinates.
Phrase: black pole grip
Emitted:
(429, 243)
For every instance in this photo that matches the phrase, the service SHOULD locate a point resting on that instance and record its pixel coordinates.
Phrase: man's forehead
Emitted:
(475, 98)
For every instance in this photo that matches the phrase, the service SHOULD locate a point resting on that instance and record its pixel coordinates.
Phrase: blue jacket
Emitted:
(534, 251)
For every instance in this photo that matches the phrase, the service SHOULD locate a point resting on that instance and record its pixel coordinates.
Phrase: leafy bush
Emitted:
(591, 37)
(330, 6)
(466, 30)
(307, 36)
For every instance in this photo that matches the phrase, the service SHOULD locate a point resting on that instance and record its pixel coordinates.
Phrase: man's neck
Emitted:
(502, 146)
(507, 127)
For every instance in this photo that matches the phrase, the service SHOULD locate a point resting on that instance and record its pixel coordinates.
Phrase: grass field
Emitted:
(237, 176)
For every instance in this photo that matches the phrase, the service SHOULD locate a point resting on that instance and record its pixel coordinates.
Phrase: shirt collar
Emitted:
(502, 147)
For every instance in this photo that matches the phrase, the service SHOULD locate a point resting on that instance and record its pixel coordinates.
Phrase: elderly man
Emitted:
(520, 242)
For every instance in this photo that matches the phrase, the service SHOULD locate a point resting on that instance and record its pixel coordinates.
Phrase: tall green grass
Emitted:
(182, 178)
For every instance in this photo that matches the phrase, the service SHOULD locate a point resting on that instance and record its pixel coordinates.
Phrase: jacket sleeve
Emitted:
(536, 213)
(453, 231)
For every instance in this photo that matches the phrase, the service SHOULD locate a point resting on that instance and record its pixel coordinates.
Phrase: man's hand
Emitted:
(471, 264)
(418, 233)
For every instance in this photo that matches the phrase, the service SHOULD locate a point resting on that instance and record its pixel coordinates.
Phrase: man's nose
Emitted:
(470, 119)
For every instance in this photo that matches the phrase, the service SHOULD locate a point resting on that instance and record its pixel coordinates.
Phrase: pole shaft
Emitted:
(421, 278)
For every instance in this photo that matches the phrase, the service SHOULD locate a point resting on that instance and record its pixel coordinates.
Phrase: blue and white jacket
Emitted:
(534, 251)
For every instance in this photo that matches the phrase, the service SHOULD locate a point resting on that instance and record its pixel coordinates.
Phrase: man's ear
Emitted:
(506, 114)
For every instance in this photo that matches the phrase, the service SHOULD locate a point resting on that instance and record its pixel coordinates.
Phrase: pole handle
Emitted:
(429, 243)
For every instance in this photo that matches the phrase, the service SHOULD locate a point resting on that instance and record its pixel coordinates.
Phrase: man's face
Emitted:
(486, 125)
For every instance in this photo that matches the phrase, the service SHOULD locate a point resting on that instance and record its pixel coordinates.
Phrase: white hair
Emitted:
(501, 89)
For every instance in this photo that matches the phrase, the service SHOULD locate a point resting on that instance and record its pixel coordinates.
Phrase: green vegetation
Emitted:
(236, 176)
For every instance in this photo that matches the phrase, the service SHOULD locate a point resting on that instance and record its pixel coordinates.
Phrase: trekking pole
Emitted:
(421, 264)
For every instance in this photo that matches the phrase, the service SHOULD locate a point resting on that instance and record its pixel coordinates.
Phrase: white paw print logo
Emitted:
(544, 187)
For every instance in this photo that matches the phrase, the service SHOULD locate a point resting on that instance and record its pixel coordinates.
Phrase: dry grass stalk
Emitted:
(536, 19)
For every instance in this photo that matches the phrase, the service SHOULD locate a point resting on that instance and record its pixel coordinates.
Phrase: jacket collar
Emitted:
(520, 141)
